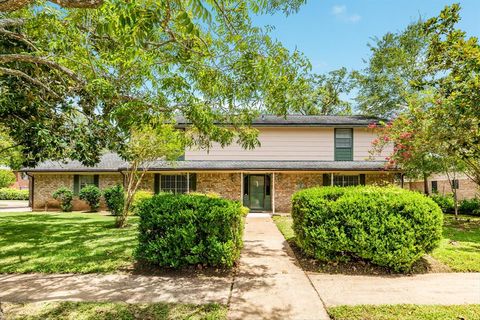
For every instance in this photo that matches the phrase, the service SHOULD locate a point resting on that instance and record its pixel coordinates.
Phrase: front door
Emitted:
(257, 192)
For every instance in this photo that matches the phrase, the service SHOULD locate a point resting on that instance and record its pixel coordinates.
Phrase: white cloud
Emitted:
(342, 14)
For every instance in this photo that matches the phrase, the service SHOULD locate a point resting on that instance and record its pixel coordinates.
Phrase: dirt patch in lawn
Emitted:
(361, 267)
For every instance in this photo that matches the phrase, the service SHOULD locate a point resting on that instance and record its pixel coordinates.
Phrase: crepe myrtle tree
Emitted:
(147, 145)
(74, 82)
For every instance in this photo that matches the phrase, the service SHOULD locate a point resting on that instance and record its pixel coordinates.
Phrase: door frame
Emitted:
(267, 196)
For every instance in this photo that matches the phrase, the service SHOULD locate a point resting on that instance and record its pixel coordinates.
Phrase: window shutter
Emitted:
(362, 179)
(76, 184)
(193, 182)
(156, 183)
(327, 180)
(95, 180)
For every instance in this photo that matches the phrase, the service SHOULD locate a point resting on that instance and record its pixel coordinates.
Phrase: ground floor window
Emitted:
(434, 186)
(175, 183)
(345, 180)
(80, 181)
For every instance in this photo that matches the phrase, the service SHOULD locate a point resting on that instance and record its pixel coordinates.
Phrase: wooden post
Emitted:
(241, 187)
(331, 179)
(273, 192)
(188, 182)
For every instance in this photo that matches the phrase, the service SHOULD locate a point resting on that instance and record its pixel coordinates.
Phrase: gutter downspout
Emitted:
(31, 189)
(123, 175)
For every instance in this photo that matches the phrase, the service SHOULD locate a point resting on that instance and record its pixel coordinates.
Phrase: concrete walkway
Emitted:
(14, 206)
(114, 287)
(433, 288)
(269, 284)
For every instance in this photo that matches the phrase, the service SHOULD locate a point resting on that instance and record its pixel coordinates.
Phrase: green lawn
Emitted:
(112, 311)
(64, 242)
(405, 312)
(460, 248)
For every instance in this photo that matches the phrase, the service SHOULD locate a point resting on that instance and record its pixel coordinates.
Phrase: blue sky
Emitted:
(335, 33)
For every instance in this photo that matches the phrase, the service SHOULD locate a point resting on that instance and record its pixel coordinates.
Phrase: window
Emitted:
(345, 181)
(343, 144)
(80, 181)
(455, 184)
(434, 186)
(173, 183)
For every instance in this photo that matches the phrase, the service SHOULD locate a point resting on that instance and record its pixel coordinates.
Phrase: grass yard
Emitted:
(405, 312)
(460, 246)
(64, 242)
(113, 311)
(459, 250)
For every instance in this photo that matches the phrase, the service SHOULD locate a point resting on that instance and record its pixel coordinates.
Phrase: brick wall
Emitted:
(47, 184)
(286, 184)
(467, 188)
(227, 185)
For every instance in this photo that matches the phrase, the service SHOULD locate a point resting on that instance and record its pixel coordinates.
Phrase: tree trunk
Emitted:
(455, 203)
(425, 184)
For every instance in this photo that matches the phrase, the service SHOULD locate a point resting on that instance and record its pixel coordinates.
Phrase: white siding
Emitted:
(362, 144)
(290, 143)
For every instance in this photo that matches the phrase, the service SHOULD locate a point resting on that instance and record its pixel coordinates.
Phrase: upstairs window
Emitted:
(343, 144)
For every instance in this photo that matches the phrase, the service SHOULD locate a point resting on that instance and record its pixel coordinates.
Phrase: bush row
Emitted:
(390, 227)
(114, 198)
(447, 204)
(190, 229)
(13, 194)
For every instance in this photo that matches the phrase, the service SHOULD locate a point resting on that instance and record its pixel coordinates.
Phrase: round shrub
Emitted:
(91, 194)
(65, 196)
(13, 194)
(390, 227)
(446, 203)
(7, 178)
(470, 206)
(115, 199)
(138, 197)
(180, 230)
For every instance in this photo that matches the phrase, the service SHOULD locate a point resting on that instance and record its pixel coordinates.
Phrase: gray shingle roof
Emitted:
(301, 120)
(108, 162)
(111, 162)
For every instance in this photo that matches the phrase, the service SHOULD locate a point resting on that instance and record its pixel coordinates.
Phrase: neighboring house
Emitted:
(466, 188)
(21, 179)
(295, 153)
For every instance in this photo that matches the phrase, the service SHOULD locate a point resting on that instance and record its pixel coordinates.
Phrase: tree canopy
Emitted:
(73, 82)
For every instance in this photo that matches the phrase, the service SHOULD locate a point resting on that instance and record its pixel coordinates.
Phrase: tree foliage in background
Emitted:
(397, 60)
(7, 178)
(454, 59)
(326, 94)
(10, 153)
(438, 129)
(74, 82)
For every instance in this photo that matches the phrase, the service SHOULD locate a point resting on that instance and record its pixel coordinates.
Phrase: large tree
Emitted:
(397, 61)
(74, 82)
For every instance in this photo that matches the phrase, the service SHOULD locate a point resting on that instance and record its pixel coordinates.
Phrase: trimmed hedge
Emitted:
(181, 230)
(65, 196)
(13, 194)
(390, 227)
(470, 206)
(138, 197)
(445, 202)
(91, 194)
(115, 199)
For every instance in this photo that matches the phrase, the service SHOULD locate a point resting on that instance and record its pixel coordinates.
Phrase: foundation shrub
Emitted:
(13, 194)
(65, 197)
(181, 230)
(138, 197)
(445, 202)
(387, 226)
(91, 194)
(115, 199)
(470, 206)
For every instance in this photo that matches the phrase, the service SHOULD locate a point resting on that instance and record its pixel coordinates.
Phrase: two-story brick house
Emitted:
(295, 152)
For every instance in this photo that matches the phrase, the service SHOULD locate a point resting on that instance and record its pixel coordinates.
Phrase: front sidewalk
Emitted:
(427, 289)
(269, 283)
(114, 287)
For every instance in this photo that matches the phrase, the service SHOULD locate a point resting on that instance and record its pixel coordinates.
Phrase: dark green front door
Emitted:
(257, 192)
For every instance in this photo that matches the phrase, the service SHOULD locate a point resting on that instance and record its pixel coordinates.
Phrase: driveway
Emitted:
(14, 206)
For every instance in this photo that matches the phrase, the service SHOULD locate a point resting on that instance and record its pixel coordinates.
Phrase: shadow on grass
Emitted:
(88, 310)
(64, 243)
